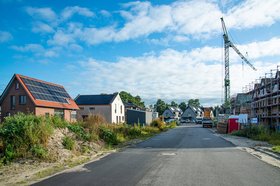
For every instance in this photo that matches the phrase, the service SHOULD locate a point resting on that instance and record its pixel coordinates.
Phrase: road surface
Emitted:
(186, 155)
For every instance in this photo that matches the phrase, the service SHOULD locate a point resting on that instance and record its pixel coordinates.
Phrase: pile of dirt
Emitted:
(23, 170)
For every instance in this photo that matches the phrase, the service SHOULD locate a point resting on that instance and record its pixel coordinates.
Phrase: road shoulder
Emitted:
(259, 149)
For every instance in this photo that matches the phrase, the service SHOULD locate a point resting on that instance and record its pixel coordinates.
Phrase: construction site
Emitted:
(260, 99)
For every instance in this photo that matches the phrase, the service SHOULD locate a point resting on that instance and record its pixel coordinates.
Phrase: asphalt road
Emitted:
(186, 155)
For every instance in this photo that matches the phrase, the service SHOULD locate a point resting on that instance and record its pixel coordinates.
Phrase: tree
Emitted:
(183, 106)
(127, 97)
(194, 102)
(160, 106)
(173, 104)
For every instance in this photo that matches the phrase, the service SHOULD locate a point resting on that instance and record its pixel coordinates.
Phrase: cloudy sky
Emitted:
(165, 49)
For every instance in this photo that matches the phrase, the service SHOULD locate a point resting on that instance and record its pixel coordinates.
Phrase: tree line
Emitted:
(160, 106)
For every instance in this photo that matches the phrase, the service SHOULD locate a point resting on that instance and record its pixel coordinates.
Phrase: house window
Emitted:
(81, 108)
(59, 112)
(91, 108)
(17, 86)
(117, 119)
(115, 108)
(121, 109)
(123, 118)
(47, 114)
(120, 119)
(22, 100)
(73, 114)
(13, 102)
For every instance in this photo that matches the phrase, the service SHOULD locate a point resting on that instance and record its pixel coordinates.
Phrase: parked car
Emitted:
(169, 120)
(198, 121)
(207, 123)
(183, 121)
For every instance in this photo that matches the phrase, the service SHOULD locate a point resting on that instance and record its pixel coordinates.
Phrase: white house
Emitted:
(172, 112)
(110, 106)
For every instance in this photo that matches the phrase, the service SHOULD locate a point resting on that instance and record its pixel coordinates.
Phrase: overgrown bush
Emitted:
(22, 133)
(79, 131)
(68, 143)
(93, 124)
(172, 124)
(108, 135)
(158, 123)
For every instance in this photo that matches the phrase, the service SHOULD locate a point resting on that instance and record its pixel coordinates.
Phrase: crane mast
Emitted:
(227, 45)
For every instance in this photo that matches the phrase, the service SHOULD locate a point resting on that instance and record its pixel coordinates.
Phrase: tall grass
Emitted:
(24, 135)
(260, 133)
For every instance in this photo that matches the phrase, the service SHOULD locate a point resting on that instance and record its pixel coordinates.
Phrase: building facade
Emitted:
(265, 103)
(29, 95)
(110, 106)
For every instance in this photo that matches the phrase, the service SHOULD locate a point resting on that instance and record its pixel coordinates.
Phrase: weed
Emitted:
(20, 133)
(108, 135)
(39, 151)
(276, 149)
(79, 131)
(158, 123)
(68, 143)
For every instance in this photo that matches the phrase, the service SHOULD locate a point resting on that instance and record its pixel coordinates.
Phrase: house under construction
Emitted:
(263, 100)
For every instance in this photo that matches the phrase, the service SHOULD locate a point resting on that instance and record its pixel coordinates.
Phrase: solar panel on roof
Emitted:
(47, 92)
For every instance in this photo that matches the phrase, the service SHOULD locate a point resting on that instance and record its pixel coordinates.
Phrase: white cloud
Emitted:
(41, 13)
(183, 20)
(40, 27)
(105, 13)
(37, 50)
(68, 12)
(252, 13)
(5, 36)
(171, 74)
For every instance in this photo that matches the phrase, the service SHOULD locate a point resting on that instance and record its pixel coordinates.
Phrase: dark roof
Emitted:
(102, 99)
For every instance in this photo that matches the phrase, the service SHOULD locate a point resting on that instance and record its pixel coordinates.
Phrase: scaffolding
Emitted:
(265, 103)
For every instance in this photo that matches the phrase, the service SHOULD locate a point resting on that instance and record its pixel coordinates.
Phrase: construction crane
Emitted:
(227, 44)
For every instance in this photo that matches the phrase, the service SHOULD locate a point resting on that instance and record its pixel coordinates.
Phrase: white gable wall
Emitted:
(118, 110)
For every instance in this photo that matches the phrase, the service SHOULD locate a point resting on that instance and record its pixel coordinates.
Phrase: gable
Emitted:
(42, 94)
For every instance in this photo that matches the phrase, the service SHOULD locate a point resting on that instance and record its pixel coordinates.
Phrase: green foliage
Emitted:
(260, 133)
(276, 149)
(127, 97)
(79, 131)
(21, 133)
(183, 106)
(172, 124)
(160, 106)
(108, 135)
(158, 123)
(39, 151)
(57, 121)
(194, 102)
(68, 143)
(173, 104)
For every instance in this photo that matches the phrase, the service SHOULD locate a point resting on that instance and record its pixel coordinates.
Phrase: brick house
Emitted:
(29, 95)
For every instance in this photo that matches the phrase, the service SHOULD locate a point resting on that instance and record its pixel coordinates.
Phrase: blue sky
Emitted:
(171, 50)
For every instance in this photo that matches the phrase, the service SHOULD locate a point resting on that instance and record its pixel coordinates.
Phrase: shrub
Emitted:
(134, 132)
(108, 135)
(57, 121)
(173, 124)
(20, 133)
(276, 149)
(39, 151)
(79, 131)
(68, 143)
(158, 123)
